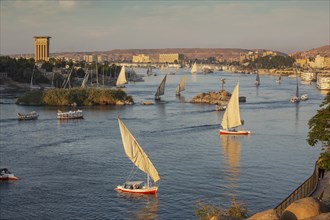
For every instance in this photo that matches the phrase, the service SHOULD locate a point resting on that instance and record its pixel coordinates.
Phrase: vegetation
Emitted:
(236, 210)
(273, 62)
(319, 125)
(79, 96)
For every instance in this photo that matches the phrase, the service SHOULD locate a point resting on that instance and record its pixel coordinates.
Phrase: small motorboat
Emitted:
(29, 116)
(294, 99)
(70, 114)
(304, 97)
(220, 107)
(5, 174)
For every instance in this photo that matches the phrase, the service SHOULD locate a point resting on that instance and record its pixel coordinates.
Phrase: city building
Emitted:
(41, 48)
(141, 58)
(171, 58)
(88, 58)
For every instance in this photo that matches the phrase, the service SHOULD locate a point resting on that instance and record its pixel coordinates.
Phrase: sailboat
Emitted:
(279, 78)
(141, 160)
(182, 86)
(121, 78)
(194, 69)
(161, 89)
(231, 118)
(257, 82)
(296, 98)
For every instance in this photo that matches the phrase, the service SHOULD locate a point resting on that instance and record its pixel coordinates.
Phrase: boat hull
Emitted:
(9, 177)
(226, 132)
(151, 190)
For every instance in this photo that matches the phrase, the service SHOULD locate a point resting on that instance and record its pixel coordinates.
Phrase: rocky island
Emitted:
(213, 98)
(75, 96)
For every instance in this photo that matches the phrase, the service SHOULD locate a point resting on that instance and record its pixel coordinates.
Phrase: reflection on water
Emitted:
(69, 121)
(232, 152)
(150, 204)
(181, 98)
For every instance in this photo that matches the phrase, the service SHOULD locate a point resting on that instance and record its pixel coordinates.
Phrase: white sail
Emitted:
(182, 85)
(161, 88)
(194, 68)
(136, 154)
(231, 117)
(122, 77)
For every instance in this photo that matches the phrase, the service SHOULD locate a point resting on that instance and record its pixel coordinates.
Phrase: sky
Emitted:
(103, 25)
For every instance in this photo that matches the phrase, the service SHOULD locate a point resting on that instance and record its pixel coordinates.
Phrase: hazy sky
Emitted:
(102, 25)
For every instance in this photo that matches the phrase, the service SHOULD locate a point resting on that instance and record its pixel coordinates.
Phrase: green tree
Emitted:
(319, 125)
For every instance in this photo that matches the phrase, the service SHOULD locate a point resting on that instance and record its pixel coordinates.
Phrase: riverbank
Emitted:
(75, 97)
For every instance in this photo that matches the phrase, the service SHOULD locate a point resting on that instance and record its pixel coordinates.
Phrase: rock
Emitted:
(220, 98)
(265, 215)
(304, 208)
(323, 216)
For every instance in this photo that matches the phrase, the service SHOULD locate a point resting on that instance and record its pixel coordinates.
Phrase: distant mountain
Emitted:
(322, 51)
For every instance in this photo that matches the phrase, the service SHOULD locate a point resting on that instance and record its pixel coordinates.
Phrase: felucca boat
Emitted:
(141, 160)
(182, 86)
(121, 78)
(279, 78)
(194, 69)
(257, 82)
(295, 99)
(161, 89)
(231, 118)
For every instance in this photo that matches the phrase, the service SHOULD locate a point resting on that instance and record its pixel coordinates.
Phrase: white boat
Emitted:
(231, 118)
(296, 98)
(5, 174)
(161, 89)
(220, 107)
(70, 114)
(29, 116)
(304, 97)
(121, 80)
(141, 160)
(194, 69)
(182, 86)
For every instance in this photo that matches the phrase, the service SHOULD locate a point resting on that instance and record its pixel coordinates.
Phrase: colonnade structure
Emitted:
(41, 48)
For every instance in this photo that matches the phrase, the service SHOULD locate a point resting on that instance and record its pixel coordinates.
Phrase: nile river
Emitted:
(69, 169)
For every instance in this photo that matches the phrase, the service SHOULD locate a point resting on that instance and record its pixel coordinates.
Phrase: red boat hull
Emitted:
(225, 132)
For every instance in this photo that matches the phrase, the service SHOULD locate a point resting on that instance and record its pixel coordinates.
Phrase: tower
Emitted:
(41, 48)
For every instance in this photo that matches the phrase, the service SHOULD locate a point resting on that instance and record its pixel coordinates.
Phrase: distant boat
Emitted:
(194, 69)
(296, 98)
(257, 82)
(323, 81)
(30, 116)
(5, 174)
(121, 78)
(182, 86)
(279, 79)
(231, 118)
(161, 89)
(220, 107)
(304, 97)
(70, 115)
(149, 71)
(141, 160)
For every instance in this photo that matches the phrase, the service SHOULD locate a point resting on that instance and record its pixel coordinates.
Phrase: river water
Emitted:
(69, 169)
